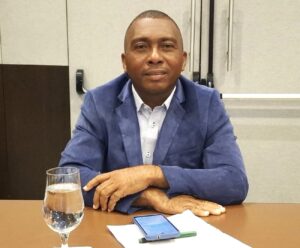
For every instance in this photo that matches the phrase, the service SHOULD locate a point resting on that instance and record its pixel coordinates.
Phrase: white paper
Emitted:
(207, 235)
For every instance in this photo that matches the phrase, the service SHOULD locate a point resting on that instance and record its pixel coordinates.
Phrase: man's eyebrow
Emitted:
(169, 39)
(139, 39)
(159, 40)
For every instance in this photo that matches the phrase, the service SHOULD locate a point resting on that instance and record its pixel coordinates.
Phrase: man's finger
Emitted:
(214, 208)
(97, 194)
(96, 200)
(198, 211)
(115, 197)
(211, 207)
(216, 211)
(105, 192)
(96, 181)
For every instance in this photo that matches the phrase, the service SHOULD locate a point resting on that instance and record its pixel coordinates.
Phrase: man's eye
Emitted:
(168, 45)
(140, 46)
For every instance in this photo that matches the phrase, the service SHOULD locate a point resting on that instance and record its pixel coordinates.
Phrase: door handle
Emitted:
(79, 82)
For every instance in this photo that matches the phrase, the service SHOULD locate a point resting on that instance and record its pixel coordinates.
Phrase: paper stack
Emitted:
(207, 235)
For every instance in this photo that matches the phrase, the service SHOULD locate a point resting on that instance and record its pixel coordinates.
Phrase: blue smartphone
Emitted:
(156, 227)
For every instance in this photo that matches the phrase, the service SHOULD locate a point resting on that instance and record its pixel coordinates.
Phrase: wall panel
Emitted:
(34, 32)
(37, 125)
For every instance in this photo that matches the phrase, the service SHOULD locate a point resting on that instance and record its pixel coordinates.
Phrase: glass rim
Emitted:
(73, 170)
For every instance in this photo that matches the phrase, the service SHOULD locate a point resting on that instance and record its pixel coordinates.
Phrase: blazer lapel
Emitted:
(128, 123)
(170, 125)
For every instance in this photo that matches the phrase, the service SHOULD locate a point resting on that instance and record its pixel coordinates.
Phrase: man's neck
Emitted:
(154, 100)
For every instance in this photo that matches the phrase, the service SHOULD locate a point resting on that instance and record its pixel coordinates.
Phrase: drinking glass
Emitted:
(63, 203)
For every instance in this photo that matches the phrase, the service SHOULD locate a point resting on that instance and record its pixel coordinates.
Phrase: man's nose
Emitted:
(155, 56)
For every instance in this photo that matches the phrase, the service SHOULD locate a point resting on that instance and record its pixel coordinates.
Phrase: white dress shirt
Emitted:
(150, 122)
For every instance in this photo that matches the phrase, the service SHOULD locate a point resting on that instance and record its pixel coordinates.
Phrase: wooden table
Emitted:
(258, 225)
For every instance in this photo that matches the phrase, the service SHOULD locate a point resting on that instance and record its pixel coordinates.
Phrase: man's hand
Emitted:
(158, 200)
(114, 185)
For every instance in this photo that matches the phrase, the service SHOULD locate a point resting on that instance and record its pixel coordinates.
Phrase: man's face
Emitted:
(154, 56)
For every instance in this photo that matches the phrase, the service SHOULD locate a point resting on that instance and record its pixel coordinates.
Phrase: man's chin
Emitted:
(156, 90)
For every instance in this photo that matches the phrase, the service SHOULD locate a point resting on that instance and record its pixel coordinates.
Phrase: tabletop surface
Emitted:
(256, 224)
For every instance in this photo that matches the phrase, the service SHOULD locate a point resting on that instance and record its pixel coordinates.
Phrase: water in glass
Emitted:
(63, 203)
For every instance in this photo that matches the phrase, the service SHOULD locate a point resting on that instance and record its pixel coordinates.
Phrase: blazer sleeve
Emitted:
(221, 177)
(87, 151)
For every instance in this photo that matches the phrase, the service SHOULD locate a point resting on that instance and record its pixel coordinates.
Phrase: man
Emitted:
(152, 138)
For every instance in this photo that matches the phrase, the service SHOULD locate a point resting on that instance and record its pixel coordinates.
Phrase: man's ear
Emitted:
(124, 62)
(184, 61)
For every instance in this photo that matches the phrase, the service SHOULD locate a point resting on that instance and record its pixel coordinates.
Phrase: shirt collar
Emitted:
(139, 102)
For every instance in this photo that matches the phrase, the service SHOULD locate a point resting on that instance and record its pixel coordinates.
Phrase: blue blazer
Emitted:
(196, 147)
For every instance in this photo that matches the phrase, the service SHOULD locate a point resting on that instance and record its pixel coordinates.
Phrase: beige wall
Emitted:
(268, 133)
(33, 32)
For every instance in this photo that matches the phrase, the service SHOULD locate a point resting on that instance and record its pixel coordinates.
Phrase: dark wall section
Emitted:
(3, 151)
(37, 123)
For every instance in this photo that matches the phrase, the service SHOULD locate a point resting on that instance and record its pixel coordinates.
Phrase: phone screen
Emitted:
(156, 227)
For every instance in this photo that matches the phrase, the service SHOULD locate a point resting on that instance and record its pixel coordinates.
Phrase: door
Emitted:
(265, 60)
(265, 47)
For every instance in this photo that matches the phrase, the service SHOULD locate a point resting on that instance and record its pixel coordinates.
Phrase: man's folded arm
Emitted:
(86, 150)
(221, 177)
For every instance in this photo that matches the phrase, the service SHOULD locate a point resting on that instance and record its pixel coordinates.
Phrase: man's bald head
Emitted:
(154, 14)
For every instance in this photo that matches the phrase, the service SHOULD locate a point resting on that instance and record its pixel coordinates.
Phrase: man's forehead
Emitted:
(147, 22)
(149, 26)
